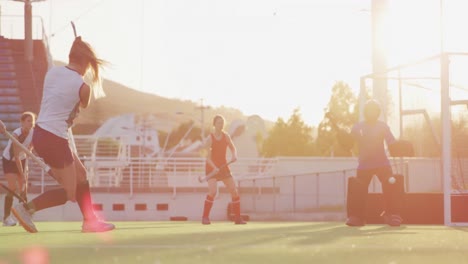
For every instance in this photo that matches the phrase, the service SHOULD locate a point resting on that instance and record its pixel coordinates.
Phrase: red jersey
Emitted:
(218, 153)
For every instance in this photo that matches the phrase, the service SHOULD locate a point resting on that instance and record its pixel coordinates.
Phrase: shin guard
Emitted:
(356, 198)
(393, 194)
(49, 199)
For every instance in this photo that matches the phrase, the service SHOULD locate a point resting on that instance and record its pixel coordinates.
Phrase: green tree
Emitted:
(291, 138)
(343, 109)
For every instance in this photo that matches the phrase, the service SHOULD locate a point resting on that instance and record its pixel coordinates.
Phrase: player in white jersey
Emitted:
(14, 164)
(65, 92)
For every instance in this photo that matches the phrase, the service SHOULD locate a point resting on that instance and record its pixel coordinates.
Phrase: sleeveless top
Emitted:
(60, 100)
(218, 152)
(25, 139)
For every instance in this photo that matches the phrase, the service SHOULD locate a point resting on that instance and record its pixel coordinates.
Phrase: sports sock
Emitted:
(48, 199)
(7, 205)
(236, 206)
(208, 204)
(83, 197)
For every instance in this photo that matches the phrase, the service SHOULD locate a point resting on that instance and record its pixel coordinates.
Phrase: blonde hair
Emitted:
(27, 114)
(82, 53)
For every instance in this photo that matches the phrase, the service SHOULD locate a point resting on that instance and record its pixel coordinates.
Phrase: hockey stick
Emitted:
(204, 178)
(10, 191)
(74, 28)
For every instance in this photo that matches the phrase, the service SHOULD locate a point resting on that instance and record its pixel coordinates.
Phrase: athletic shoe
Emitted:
(205, 221)
(9, 221)
(355, 221)
(393, 220)
(239, 221)
(96, 226)
(24, 218)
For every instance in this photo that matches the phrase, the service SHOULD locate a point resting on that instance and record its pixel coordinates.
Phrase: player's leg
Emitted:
(91, 223)
(50, 198)
(8, 220)
(212, 191)
(232, 188)
(57, 154)
(393, 194)
(356, 200)
(10, 170)
(23, 181)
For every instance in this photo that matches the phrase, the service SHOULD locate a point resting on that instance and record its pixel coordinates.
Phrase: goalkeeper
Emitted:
(370, 136)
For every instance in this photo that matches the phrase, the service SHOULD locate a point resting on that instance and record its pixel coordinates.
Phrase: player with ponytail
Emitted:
(65, 93)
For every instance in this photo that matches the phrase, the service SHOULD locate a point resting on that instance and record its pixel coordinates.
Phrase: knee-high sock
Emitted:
(207, 207)
(83, 197)
(48, 199)
(7, 206)
(236, 206)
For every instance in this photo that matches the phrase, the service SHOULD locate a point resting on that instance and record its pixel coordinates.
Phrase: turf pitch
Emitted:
(224, 242)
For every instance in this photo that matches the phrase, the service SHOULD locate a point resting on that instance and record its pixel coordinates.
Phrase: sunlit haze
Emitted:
(264, 57)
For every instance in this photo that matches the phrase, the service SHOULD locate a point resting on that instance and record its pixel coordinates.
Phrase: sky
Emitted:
(265, 57)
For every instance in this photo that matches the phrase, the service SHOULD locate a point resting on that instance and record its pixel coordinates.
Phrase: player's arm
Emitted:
(85, 95)
(232, 147)
(391, 142)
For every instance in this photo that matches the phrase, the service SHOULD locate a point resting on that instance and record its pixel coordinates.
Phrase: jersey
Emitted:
(25, 139)
(218, 152)
(370, 138)
(60, 101)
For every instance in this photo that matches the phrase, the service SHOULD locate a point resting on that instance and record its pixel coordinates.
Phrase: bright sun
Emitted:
(418, 29)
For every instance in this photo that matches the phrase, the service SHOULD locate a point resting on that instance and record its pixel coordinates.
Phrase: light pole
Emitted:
(28, 41)
(379, 52)
(202, 109)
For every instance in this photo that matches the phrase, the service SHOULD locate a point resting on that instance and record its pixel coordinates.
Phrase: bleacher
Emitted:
(10, 102)
(21, 81)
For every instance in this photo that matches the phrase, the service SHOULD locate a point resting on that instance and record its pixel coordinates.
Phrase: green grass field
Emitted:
(224, 242)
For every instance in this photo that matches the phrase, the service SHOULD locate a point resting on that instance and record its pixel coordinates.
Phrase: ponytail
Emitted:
(81, 52)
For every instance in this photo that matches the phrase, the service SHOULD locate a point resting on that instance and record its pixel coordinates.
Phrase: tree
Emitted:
(343, 108)
(291, 138)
